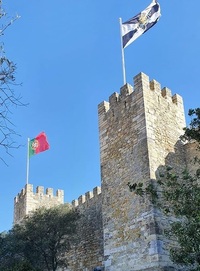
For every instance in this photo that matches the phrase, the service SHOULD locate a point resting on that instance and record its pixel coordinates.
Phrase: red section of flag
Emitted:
(41, 142)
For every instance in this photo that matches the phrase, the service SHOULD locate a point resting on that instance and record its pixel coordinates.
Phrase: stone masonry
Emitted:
(27, 201)
(139, 130)
(89, 252)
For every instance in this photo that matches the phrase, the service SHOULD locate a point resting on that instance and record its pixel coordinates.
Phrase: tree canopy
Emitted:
(41, 242)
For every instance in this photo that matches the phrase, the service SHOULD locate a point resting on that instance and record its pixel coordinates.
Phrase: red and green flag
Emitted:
(38, 144)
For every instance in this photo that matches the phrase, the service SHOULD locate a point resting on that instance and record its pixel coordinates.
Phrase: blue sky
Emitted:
(68, 60)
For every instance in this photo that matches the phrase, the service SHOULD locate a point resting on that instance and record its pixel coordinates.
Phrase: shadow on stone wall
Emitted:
(181, 159)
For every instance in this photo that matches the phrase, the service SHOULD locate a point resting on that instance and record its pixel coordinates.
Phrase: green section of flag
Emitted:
(31, 149)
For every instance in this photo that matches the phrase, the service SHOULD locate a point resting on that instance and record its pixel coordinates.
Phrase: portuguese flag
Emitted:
(38, 144)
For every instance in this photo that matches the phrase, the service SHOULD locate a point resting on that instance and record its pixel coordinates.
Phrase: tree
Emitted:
(42, 240)
(8, 97)
(178, 196)
(11, 257)
(193, 131)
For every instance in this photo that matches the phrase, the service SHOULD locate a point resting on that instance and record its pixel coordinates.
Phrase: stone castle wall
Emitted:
(165, 120)
(139, 130)
(27, 201)
(88, 254)
(192, 150)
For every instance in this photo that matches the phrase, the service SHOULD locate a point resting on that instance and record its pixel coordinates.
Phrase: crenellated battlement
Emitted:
(87, 197)
(152, 112)
(19, 195)
(141, 83)
(28, 200)
(39, 192)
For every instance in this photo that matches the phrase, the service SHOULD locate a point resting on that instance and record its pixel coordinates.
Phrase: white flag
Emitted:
(140, 23)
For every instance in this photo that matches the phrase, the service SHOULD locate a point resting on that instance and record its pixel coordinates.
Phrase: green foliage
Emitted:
(178, 196)
(11, 258)
(193, 131)
(41, 242)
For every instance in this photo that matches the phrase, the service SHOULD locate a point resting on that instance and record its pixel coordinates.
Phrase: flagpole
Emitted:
(122, 49)
(27, 166)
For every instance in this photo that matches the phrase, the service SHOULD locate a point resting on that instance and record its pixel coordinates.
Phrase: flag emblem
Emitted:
(35, 144)
(142, 20)
(140, 23)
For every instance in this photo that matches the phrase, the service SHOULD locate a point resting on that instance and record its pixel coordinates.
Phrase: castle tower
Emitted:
(27, 201)
(139, 132)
